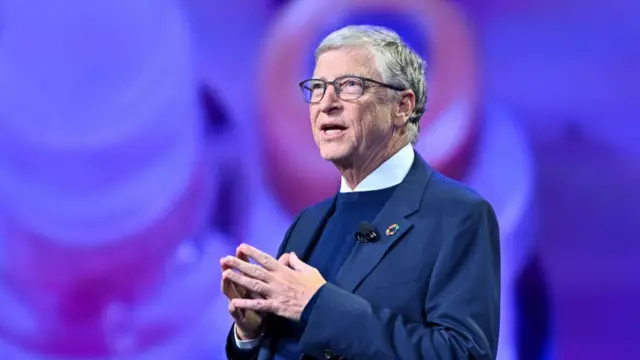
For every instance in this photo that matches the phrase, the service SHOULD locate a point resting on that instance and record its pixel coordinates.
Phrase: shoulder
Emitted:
(454, 199)
(460, 217)
(316, 209)
(310, 214)
(305, 219)
(324, 204)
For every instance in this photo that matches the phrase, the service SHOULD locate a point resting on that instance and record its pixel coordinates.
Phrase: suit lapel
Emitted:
(395, 217)
(309, 228)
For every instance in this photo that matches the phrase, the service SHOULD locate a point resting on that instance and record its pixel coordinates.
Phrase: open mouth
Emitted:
(332, 129)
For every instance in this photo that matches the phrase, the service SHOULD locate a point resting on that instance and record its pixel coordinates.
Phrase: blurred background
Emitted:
(140, 141)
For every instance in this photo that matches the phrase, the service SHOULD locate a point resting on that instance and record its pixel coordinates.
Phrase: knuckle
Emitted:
(256, 285)
(261, 304)
(256, 271)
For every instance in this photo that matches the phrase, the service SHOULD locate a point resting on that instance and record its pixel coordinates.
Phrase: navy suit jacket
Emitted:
(431, 290)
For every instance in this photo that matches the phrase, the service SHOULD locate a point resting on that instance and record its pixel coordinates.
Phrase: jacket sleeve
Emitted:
(462, 306)
(233, 351)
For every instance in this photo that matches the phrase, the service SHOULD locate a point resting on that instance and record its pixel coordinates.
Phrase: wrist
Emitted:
(244, 335)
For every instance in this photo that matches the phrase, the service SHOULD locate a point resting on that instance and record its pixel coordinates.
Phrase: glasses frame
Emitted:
(338, 90)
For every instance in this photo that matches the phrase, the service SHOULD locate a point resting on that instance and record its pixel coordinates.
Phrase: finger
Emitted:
(240, 255)
(251, 270)
(247, 282)
(297, 264)
(240, 316)
(223, 265)
(226, 287)
(255, 305)
(284, 260)
(231, 291)
(241, 292)
(260, 257)
(236, 313)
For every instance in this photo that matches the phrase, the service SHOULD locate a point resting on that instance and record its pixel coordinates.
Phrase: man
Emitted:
(422, 282)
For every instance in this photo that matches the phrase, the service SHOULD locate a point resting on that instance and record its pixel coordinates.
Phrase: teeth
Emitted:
(332, 131)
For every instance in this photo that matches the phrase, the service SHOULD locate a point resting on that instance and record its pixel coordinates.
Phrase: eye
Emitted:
(316, 86)
(351, 83)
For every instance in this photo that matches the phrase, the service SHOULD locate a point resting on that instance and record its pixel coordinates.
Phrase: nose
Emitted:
(330, 102)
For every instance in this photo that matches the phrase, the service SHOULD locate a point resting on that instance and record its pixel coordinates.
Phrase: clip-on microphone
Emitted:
(366, 233)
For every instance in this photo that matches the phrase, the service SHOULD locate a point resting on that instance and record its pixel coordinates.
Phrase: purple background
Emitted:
(111, 111)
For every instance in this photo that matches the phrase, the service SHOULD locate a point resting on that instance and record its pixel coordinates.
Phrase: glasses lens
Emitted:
(350, 88)
(312, 90)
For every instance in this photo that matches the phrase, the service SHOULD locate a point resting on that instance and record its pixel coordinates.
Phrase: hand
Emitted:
(248, 323)
(285, 287)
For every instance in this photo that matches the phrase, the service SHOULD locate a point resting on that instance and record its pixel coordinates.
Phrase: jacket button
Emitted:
(328, 354)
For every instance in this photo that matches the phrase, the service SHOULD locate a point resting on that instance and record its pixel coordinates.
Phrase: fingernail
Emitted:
(293, 254)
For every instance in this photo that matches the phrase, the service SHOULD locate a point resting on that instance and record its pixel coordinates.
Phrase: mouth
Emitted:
(332, 129)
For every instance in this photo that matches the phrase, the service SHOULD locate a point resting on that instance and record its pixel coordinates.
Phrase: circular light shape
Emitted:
(294, 170)
(225, 78)
(228, 153)
(122, 180)
(450, 143)
(168, 323)
(65, 169)
(507, 182)
(40, 267)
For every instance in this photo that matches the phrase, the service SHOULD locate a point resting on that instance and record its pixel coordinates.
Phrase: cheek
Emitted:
(375, 124)
(313, 117)
(358, 123)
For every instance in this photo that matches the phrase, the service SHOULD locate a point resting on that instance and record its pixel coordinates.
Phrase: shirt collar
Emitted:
(390, 173)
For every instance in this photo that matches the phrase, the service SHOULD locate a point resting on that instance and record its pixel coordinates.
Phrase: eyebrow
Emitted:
(341, 76)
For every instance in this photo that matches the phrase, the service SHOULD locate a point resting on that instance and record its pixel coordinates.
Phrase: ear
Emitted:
(405, 104)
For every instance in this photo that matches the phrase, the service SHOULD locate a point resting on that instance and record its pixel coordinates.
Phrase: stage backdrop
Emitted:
(140, 141)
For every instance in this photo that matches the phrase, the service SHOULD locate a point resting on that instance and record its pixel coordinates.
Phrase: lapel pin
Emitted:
(392, 229)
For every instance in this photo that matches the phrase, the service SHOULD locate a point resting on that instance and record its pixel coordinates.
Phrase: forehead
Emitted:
(345, 61)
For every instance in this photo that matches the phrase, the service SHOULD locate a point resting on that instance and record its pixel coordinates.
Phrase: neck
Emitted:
(356, 171)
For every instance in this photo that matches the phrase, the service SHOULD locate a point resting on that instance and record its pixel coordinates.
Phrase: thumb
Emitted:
(296, 263)
(285, 259)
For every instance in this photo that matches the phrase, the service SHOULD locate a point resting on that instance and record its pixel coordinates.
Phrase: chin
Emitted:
(333, 154)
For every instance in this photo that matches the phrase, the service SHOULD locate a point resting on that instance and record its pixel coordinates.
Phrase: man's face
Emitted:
(364, 125)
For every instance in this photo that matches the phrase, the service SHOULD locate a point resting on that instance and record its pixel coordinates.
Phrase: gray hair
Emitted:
(398, 64)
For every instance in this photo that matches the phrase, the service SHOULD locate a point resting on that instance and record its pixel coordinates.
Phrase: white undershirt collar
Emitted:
(389, 173)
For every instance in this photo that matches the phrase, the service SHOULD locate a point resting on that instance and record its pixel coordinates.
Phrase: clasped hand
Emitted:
(284, 287)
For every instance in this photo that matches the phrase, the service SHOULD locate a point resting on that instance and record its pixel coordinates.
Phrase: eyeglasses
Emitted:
(346, 87)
